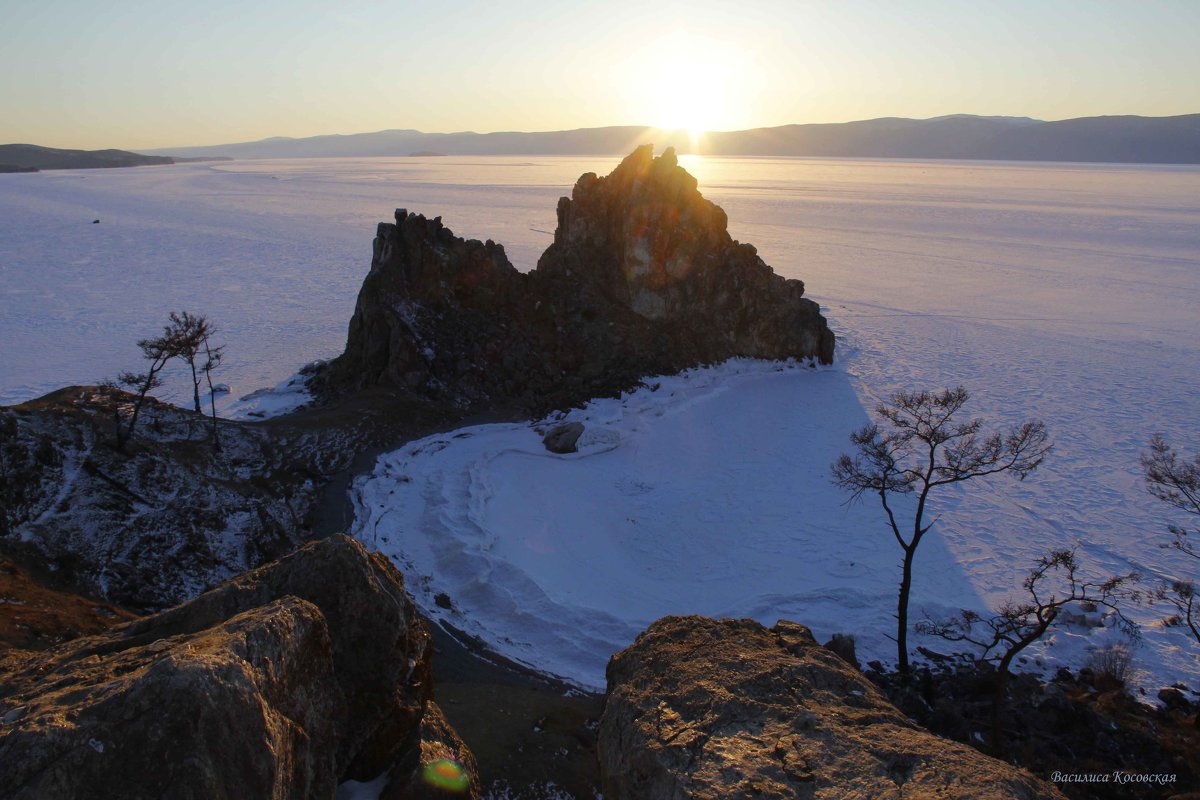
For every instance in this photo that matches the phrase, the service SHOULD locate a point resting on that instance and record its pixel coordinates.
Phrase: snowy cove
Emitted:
(1062, 292)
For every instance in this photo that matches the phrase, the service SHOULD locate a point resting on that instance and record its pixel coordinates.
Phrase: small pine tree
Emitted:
(213, 355)
(188, 337)
(157, 351)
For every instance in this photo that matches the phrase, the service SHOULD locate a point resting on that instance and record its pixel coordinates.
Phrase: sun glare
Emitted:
(689, 83)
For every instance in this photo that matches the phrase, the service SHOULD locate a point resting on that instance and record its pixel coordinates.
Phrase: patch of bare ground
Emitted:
(34, 615)
(533, 737)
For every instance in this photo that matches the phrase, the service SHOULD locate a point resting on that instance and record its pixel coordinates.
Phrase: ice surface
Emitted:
(1065, 292)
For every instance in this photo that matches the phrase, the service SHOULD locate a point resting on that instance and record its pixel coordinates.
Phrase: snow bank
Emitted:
(288, 395)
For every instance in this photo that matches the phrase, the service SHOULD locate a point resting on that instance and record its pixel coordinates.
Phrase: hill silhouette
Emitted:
(1120, 139)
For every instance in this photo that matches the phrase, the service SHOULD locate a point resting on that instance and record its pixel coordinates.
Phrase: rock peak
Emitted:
(642, 278)
(642, 163)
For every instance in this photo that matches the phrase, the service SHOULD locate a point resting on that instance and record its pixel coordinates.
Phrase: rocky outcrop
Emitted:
(646, 240)
(435, 315)
(563, 438)
(278, 684)
(642, 278)
(157, 525)
(704, 708)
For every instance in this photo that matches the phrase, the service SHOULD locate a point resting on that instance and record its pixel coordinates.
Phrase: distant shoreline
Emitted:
(35, 158)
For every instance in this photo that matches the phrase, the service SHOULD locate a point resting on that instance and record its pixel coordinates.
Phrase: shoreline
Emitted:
(529, 731)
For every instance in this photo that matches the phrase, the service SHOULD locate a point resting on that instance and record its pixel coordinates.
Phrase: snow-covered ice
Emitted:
(290, 394)
(705, 493)
(272, 252)
(1063, 292)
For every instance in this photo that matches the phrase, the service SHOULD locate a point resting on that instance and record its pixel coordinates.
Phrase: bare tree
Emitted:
(1019, 623)
(185, 336)
(157, 351)
(923, 448)
(188, 333)
(213, 356)
(113, 387)
(1176, 481)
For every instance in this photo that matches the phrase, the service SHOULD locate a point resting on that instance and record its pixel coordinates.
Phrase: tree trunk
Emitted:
(902, 610)
(999, 696)
(120, 431)
(195, 386)
(212, 401)
(137, 409)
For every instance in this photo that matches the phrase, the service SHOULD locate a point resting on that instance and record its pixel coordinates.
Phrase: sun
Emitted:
(690, 83)
(693, 94)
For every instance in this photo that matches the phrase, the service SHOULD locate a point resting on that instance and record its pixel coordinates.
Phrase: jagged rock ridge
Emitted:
(280, 683)
(642, 278)
(702, 708)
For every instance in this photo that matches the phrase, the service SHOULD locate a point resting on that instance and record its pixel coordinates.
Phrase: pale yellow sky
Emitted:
(139, 74)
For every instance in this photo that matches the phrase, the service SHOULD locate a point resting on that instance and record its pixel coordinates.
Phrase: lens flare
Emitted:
(446, 774)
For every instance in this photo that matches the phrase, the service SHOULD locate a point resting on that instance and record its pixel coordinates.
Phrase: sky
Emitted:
(161, 73)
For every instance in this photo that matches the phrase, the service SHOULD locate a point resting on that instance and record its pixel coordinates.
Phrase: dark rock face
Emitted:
(433, 314)
(646, 240)
(703, 708)
(642, 278)
(843, 645)
(278, 684)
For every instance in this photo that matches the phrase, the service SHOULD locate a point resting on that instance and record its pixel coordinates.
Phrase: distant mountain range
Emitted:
(1121, 139)
(32, 158)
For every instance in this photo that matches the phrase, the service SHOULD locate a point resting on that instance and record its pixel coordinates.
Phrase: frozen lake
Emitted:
(274, 251)
(1065, 292)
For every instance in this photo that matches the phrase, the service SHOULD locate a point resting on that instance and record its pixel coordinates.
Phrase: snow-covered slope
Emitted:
(160, 523)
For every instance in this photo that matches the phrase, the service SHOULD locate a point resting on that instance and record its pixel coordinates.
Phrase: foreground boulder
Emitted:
(280, 683)
(643, 278)
(441, 750)
(704, 708)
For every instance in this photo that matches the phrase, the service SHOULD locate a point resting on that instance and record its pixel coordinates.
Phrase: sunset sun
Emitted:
(695, 96)
(690, 83)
